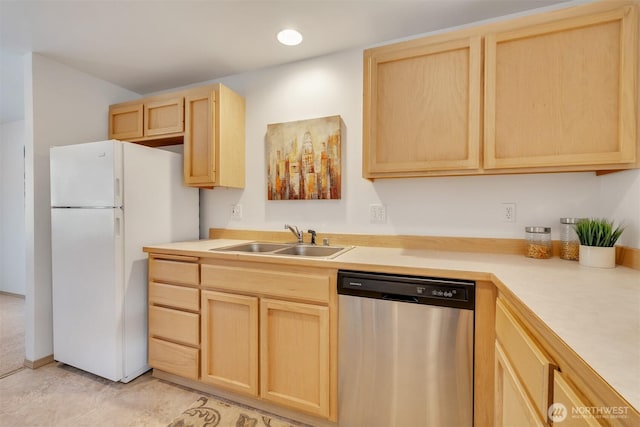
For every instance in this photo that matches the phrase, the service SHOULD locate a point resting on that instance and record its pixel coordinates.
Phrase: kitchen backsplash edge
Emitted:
(625, 256)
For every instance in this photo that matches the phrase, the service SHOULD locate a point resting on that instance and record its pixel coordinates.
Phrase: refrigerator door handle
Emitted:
(117, 190)
(117, 226)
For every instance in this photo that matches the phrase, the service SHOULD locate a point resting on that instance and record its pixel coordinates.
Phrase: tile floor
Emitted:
(60, 395)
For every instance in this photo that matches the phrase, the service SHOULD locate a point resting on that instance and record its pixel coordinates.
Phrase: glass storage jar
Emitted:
(538, 242)
(569, 242)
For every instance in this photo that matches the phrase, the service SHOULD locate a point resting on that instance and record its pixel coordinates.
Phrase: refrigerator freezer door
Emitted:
(87, 175)
(88, 289)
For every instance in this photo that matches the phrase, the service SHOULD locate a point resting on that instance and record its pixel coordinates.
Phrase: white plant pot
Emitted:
(596, 256)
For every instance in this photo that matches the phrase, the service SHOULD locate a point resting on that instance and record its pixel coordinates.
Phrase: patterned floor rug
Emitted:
(209, 412)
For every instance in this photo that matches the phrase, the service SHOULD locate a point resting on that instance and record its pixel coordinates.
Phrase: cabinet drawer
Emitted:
(174, 296)
(531, 365)
(296, 282)
(174, 325)
(564, 393)
(174, 358)
(161, 270)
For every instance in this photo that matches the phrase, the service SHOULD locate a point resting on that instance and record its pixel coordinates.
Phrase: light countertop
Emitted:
(594, 311)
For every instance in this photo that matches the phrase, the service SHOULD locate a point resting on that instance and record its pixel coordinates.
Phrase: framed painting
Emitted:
(304, 159)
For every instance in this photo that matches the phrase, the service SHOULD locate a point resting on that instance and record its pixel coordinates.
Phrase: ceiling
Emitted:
(148, 46)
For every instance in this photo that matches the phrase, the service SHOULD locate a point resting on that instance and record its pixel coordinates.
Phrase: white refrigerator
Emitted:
(108, 200)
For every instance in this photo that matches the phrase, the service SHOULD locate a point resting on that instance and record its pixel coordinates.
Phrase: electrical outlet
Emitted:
(377, 214)
(508, 212)
(236, 211)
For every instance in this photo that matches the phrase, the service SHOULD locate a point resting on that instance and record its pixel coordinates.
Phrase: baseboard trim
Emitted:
(11, 294)
(625, 256)
(35, 364)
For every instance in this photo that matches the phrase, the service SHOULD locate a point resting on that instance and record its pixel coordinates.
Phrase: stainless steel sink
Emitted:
(286, 249)
(308, 250)
(254, 247)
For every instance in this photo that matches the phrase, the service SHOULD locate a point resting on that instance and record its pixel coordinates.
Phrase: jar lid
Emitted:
(537, 229)
(570, 220)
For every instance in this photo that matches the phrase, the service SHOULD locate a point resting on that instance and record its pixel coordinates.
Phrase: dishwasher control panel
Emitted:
(410, 289)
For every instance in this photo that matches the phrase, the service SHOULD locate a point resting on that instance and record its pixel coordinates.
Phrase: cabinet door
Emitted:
(125, 122)
(294, 355)
(562, 94)
(513, 407)
(565, 394)
(164, 117)
(422, 108)
(199, 139)
(529, 361)
(230, 341)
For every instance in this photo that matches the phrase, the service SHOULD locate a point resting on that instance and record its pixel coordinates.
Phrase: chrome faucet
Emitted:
(296, 232)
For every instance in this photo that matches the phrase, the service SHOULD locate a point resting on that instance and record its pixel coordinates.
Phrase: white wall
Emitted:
(11, 87)
(62, 106)
(447, 206)
(619, 199)
(12, 227)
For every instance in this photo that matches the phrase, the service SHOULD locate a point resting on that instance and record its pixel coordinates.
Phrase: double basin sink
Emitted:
(288, 249)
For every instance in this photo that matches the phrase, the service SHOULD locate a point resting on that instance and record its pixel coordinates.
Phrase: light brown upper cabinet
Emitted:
(422, 107)
(208, 120)
(562, 93)
(147, 120)
(125, 121)
(214, 139)
(164, 117)
(552, 92)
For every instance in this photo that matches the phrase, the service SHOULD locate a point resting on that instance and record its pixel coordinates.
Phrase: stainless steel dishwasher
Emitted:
(405, 351)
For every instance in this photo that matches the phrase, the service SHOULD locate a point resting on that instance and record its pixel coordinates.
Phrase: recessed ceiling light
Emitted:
(289, 37)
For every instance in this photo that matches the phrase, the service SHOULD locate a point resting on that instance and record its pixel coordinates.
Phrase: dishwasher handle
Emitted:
(400, 298)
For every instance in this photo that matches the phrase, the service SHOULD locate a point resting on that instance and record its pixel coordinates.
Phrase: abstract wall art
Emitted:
(304, 159)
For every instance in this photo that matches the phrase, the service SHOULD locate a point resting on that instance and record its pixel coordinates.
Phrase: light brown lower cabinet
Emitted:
(292, 366)
(230, 341)
(270, 332)
(294, 356)
(571, 408)
(174, 358)
(540, 381)
(513, 406)
(174, 315)
(523, 374)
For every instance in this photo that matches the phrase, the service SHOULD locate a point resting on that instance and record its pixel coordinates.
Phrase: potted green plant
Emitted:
(597, 239)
